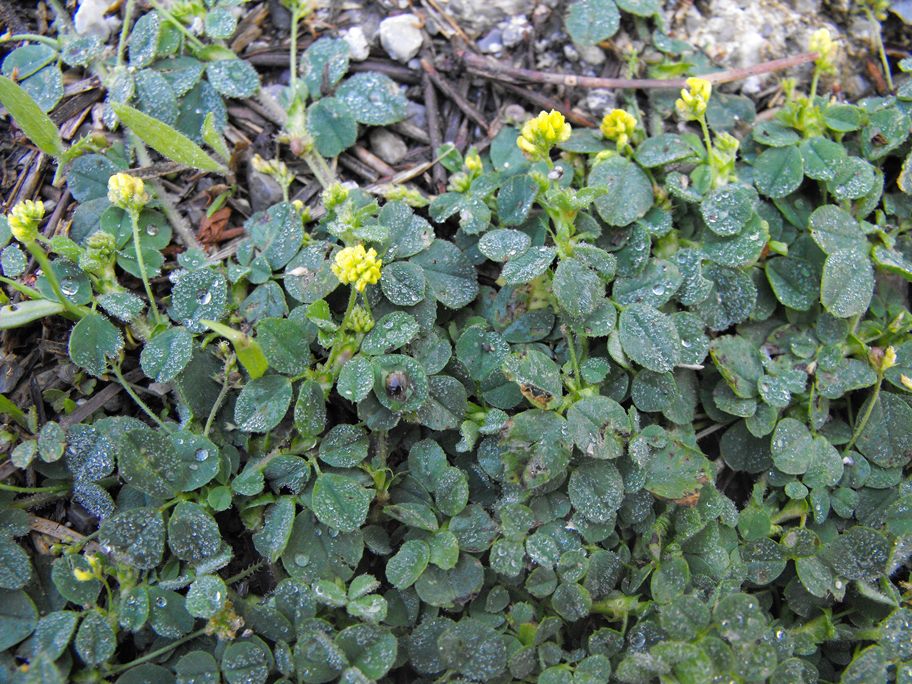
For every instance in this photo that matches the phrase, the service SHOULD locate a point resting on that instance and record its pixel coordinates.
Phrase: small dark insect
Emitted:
(396, 385)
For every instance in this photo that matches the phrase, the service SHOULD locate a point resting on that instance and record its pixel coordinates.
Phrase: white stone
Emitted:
(388, 146)
(358, 47)
(401, 36)
(738, 34)
(479, 16)
(90, 19)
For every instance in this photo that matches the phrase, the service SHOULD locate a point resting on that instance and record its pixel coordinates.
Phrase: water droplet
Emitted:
(687, 344)
(152, 230)
(161, 602)
(69, 286)
(658, 289)
(201, 455)
(193, 466)
(301, 560)
(203, 297)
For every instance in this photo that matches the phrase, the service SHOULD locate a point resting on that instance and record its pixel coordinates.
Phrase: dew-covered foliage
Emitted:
(612, 407)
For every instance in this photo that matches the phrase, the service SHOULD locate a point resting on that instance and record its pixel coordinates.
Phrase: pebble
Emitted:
(388, 146)
(358, 47)
(90, 19)
(264, 190)
(401, 36)
(592, 54)
(491, 42)
(515, 30)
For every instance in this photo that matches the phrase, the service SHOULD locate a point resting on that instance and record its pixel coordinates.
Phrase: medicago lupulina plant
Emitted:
(616, 406)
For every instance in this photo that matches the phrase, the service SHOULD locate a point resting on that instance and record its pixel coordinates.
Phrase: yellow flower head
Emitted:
(542, 133)
(473, 162)
(618, 125)
(357, 266)
(826, 48)
(127, 192)
(694, 98)
(906, 381)
(24, 220)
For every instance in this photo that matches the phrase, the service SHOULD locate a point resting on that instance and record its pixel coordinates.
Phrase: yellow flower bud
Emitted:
(694, 98)
(906, 381)
(127, 192)
(473, 162)
(24, 219)
(334, 196)
(542, 133)
(354, 265)
(618, 125)
(889, 358)
(826, 48)
(361, 320)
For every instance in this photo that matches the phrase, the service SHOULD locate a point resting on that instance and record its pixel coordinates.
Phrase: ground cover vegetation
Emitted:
(627, 403)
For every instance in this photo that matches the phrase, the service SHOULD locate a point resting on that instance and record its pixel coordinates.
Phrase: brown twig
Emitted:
(58, 531)
(457, 29)
(546, 102)
(454, 95)
(433, 122)
(373, 161)
(57, 214)
(483, 66)
(97, 400)
(395, 71)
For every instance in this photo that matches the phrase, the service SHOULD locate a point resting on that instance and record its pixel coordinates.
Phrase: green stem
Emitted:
(124, 32)
(42, 258)
(707, 140)
(293, 52)
(33, 490)
(574, 362)
(878, 39)
(218, 402)
(814, 79)
(139, 402)
(19, 287)
(245, 573)
(319, 168)
(140, 261)
(863, 421)
(196, 42)
(31, 37)
(152, 655)
(340, 333)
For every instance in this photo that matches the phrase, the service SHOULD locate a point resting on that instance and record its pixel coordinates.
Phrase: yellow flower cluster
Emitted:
(24, 219)
(357, 266)
(826, 48)
(127, 192)
(542, 133)
(361, 320)
(618, 125)
(473, 162)
(694, 98)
